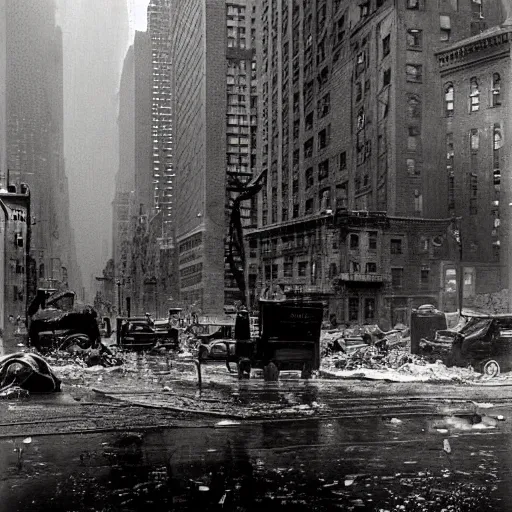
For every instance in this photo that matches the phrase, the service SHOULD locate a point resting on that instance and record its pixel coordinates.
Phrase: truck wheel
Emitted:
(244, 369)
(491, 368)
(307, 371)
(270, 372)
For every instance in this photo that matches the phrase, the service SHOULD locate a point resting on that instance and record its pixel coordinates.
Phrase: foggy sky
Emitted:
(96, 35)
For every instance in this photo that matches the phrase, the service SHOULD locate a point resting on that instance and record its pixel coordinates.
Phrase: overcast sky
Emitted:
(96, 36)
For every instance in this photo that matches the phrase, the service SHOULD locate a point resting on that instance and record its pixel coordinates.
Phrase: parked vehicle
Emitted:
(216, 340)
(141, 333)
(288, 338)
(485, 342)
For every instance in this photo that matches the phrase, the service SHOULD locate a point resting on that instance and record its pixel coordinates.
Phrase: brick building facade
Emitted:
(350, 104)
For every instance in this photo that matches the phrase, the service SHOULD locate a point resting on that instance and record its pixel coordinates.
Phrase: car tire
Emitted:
(203, 354)
(81, 340)
(244, 369)
(270, 372)
(490, 368)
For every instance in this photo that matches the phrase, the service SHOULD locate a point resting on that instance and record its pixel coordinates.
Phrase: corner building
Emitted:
(215, 119)
(350, 107)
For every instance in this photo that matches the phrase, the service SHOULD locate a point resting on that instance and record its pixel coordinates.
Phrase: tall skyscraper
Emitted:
(350, 108)
(213, 73)
(35, 136)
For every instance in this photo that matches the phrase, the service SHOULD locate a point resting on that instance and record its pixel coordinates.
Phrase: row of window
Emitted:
(474, 95)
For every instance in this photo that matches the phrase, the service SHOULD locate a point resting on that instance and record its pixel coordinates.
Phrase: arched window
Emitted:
(448, 99)
(414, 107)
(474, 95)
(496, 90)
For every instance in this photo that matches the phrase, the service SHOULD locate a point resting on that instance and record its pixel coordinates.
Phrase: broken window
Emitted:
(413, 4)
(413, 73)
(445, 27)
(369, 310)
(324, 105)
(342, 196)
(414, 39)
(354, 241)
(303, 268)
(309, 121)
(496, 90)
(309, 206)
(474, 95)
(449, 99)
(343, 160)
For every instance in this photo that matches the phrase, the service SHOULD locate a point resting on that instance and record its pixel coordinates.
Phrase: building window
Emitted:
(396, 246)
(474, 140)
(413, 138)
(308, 122)
(308, 148)
(386, 43)
(496, 90)
(397, 277)
(369, 310)
(323, 106)
(413, 107)
(343, 160)
(414, 39)
(354, 241)
(473, 194)
(303, 268)
(449, 99)
(424, 277)
(309, 178)
(413, 73)
(445, 27)
(474, 95)
(477, 9)
(386, 77)
(413, 4)
(372, 240)
(359, 91)
(371, 267)
(342, 196)
(288, 268)
(418, 202)
(324, 137)
(353, 309)
(309, 206)
(323, 170)
(412, 167)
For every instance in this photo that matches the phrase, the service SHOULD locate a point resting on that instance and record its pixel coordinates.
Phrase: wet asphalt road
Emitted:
(375, 446)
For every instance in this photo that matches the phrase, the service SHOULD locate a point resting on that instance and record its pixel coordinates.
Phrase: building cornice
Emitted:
(496, 40)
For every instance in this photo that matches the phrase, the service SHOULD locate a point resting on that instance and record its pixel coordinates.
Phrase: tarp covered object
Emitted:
(28, 371)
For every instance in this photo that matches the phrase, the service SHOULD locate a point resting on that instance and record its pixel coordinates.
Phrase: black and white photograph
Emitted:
(256, 255)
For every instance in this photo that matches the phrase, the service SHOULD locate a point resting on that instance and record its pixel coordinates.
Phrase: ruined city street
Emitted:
(144, 433)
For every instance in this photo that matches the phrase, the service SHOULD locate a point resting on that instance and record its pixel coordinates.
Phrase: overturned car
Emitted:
(58, 321)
